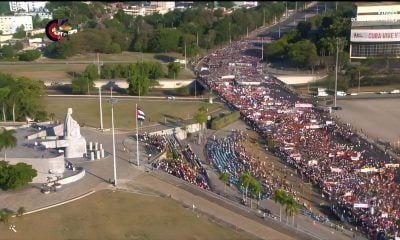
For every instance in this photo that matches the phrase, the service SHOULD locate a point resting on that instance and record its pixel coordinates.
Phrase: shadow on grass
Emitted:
(103, 179)
(164, 58)
(172, 118)
(64, 89)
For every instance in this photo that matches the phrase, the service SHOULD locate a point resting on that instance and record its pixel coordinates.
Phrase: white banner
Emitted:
(360, 205)
(392, 165)
(303, 105)
(336, 170)
(375, 35)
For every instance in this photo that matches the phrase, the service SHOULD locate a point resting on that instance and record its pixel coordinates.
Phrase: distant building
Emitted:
(42, 15)
(375, 31)
(32, 6)
(154, 7)
(8, 24)
(246, 4)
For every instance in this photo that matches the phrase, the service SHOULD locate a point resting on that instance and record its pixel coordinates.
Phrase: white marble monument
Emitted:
(76, 144)
(72, 140)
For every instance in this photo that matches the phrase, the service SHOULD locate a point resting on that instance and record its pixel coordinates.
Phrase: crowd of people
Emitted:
(189, 169)
(359, 179)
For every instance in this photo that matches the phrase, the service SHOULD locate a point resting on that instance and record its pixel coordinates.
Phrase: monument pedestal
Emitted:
(76, 148)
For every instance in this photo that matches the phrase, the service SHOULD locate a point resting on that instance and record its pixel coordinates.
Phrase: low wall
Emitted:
(179, 133)
(290, 79)
(81, 173)
(57, 130)
(163, 83)
(42, 166)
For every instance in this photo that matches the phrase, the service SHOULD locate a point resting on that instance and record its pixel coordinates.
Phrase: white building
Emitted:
(27, 6)
(8, 24)
(246, 4)
(42, 15)
(375, 32)
(165, 6)
(154, 7)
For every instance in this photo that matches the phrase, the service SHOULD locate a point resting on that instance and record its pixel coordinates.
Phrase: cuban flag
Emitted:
(140, 115)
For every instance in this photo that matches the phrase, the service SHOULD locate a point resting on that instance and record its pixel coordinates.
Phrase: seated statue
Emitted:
(71, 127)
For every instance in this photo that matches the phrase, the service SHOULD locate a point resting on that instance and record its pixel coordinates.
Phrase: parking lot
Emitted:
(378, 118)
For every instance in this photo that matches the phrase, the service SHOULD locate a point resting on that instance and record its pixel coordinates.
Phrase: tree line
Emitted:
(141, 76)
(20, 98)
(13, 176)
(313, 43)
(14, 53)
(197, 28)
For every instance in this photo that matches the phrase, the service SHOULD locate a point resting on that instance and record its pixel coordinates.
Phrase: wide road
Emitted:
(293, 19)
(65, 62)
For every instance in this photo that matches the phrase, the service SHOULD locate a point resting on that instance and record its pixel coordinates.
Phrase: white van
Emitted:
(340, 93)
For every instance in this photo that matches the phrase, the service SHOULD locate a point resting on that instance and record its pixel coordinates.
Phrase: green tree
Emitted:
(32, 101)
(115, 48)
(280, 196)
(255, 188)
(304, 28)
(173, 69)
(276, 49)
(18, 46)
(7, 140)
(201, 116)
(303, 53)
(91, 72)
(183, 91)
(5, 216)
(224, 177)
(164, 40)
(4, 94)
(15, 176)
(30, 55)
(19, 32)
(82, 84)
(139, 84)
(7, 52)
(156, 71)
(20, 211)
(5, 9)
(60, 50)
(292, 207)
(226, 4)
(245, 180)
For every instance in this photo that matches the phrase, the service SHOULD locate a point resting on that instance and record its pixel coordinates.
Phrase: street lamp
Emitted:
(113, 101)
(337, 57)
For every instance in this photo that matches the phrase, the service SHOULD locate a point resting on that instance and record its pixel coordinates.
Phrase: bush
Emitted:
(30, 55)
(15, 176)
(220, 122)
(183, 91)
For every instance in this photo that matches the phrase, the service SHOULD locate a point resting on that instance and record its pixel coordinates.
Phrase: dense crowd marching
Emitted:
(358, 179)
(191, 171)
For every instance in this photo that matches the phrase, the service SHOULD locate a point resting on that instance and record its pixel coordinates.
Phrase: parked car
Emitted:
(171, 98)
(383, 92)
(353, 94)
(396, 91)
(340, 93)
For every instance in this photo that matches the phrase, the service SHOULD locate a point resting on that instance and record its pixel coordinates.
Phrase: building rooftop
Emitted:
(375, 3)
(26, 148)
(395, 24)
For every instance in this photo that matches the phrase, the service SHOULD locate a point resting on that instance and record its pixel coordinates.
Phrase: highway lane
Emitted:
(153, 98)
(66, 62)
(291, 22)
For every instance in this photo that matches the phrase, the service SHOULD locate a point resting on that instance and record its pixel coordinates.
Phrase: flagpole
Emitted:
(137, 137)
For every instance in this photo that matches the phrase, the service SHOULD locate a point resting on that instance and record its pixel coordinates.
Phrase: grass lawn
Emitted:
(58, 72)
(119, 215)
(44, 72)
(86, 111)
(124, 56)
